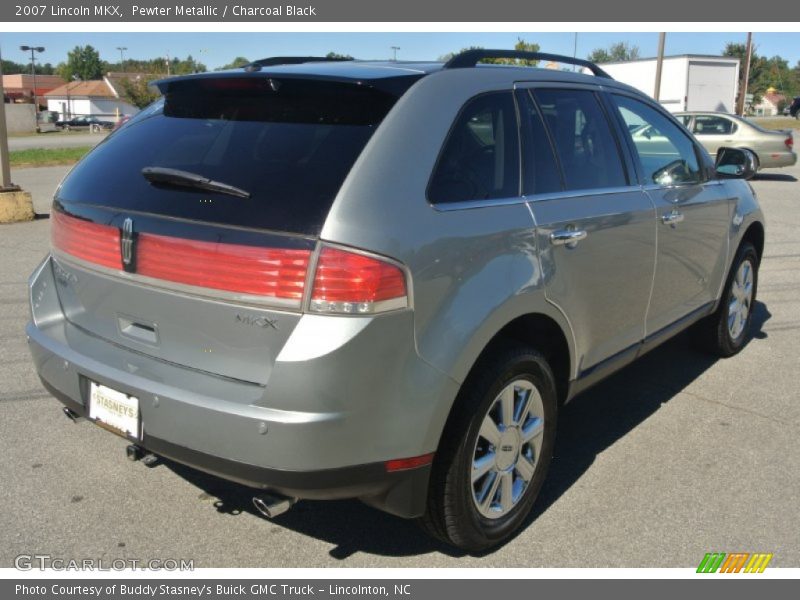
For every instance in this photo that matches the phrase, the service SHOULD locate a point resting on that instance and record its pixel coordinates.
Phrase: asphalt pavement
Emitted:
(675, 456)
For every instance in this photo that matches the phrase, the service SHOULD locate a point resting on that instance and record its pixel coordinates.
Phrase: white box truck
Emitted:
(688, 82)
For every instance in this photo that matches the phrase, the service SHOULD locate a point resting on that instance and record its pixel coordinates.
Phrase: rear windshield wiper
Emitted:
(164, 176)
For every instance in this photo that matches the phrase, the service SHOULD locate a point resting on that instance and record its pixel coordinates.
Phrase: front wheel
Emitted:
(495, 451)
(726, 331)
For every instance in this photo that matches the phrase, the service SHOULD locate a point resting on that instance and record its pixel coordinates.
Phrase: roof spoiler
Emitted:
(470, 58)
(273, 61)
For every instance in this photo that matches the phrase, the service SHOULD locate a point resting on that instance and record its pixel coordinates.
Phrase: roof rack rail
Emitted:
(273, 61)
(470, 58)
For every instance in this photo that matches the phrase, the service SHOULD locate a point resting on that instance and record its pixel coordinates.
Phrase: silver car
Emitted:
(381, 280)
(772, 148)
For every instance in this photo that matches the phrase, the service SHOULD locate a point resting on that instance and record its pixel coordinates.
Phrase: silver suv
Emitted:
(329, 279)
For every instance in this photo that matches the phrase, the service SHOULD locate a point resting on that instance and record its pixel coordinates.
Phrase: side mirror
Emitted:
(735, 163)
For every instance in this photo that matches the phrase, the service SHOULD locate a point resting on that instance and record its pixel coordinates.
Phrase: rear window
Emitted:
(289, 143)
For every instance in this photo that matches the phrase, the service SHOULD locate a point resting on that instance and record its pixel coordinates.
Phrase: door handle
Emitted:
(672, 218)
(567, 237)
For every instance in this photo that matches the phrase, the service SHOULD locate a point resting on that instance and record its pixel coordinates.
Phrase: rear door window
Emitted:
(289, 143)
(713, 125)
(540, 171)
(480, 159)
(586, 147)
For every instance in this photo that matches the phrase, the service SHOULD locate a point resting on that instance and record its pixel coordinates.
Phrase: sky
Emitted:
(217, 49)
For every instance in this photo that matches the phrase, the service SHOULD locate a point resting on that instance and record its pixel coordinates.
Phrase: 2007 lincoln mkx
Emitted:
(342, 279)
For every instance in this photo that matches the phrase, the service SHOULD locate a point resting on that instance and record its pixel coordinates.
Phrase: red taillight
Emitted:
(94, 243)
(403, 464)
(789, 142)
(274, 272)
(351, 283)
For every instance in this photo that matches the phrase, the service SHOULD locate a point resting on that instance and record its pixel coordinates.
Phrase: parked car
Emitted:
(772, 148)
(794, 108)
(383, 280)
(91, 123)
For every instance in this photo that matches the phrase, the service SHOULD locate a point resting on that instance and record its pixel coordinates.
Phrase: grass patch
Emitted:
(47, 157)
(778, 123)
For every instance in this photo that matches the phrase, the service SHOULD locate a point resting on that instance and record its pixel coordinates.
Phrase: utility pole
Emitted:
(122, 57)
(15, 204)
(33, 50)
(395, 49)
(746, 74)
(575, 48)
(659, 64)
(5, 168)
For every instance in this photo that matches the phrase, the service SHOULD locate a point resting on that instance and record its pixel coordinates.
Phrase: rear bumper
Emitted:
(774, 160)
(333, 445)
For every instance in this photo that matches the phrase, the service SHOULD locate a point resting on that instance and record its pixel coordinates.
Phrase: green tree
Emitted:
(521, 45)
(138, 92)
(83, 62)
(619, 52)
(236, 63)
(338, 56)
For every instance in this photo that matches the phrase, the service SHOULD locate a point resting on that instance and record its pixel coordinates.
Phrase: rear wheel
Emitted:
(495, 451)
(726, 331)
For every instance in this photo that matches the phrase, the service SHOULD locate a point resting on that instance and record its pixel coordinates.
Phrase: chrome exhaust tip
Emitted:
(71, 415)
(271, 505)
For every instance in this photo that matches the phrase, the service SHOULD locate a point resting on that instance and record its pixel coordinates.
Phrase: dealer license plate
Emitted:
(114, 410)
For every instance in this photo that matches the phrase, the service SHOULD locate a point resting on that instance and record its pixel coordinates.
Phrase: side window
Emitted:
(540, 172)
(685, 119)
(583, 139)
(713, 125)
(480, 159)
(666, 154)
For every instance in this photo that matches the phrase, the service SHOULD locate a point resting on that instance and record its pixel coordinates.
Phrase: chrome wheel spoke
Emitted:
(481, 466)
(532, 429)
(507, 398)
(507, 491)
(525, 468)
(489, 490)
(489, 431)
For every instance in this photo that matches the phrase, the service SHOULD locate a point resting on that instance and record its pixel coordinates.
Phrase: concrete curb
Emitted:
(15, 207)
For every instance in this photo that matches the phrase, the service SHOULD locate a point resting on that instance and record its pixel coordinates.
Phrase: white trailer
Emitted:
(688, 82)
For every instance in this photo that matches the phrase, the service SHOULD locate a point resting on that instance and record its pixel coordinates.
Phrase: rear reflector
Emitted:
(92, 242)
(351, 283)
(403, 464)
(273, 272)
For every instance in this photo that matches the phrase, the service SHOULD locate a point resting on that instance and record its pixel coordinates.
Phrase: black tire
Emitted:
(713, 333)
(452, 515)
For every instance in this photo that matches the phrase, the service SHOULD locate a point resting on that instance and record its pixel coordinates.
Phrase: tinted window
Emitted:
(480, 158)
(289, 143)
(666, 154)
(583, 139)
(540, 172)
(713, 125)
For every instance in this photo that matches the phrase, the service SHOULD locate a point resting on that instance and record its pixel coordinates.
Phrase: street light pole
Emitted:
(122, 57)
(33, 50)
(5, 167)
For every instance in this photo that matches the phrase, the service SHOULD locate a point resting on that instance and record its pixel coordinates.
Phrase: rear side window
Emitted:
(583, 139)
(289, 143)
(713, 125)
(480, 159)
(666, 154)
